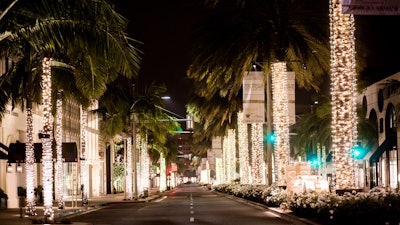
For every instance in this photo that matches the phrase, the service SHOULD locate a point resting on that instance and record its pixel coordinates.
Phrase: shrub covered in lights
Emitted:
(269, 195)
(375, 207)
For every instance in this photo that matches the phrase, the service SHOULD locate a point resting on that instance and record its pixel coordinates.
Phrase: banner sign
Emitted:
(371, 7)
(253, 97)
(291, 81)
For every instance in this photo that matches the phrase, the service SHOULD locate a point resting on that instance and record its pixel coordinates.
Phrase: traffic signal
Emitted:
(271, 137)
(358, 152)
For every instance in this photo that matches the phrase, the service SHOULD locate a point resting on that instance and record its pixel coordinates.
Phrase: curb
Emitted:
(284, 215)
(75, 212)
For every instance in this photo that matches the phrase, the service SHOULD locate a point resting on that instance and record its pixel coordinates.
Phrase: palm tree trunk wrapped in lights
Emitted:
(30, 165)
(280, 120)
(229, 156)
(59, 165)
(163, 173)
(47, 155)
(243, 150)
(343, 92)
(144, 164)
(138, 168)
(83, 160)
(257, 154)
(232, 154)
(128, 174)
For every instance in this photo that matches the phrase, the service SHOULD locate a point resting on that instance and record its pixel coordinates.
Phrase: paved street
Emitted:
(188, 204)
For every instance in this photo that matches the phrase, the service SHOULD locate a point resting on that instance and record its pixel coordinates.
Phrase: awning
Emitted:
(17, 152)
(386, 145)
(3, 151)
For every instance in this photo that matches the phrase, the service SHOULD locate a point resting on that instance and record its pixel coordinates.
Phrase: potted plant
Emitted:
(4, 196)
(21, 196)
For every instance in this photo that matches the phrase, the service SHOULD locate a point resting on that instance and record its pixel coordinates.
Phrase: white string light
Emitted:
(243, 150)
(30, 166)
(145, 164)
(129, 183)
(343, 92)
(139, 167)
(59, 166)
(280, 120)
(257, 154)
(163, 173)
(231, 155)
(83, 161)
(225, 159)
(47, 154)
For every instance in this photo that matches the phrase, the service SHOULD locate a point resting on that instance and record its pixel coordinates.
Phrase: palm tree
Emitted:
(100, 34)
(117, 105)
(20, 84)
(343, 91)
(280, 34)
(314, 130)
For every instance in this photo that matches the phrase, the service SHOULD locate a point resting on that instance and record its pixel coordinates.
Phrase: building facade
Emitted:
(382, 162)
(12, 154)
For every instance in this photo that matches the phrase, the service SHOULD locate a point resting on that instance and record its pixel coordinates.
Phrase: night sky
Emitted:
(166, 27)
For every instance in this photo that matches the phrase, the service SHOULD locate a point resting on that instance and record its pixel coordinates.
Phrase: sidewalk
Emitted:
(16, 216)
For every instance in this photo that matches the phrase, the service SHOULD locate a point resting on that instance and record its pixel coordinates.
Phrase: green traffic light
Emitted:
(271, 137)
(358, 151)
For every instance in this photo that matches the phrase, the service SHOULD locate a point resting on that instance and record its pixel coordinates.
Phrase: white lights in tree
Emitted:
(257, 154)
(163, 173)
(225, 159)
(232, 154)
(145, 164)
(229, 155)
(280, 120)
(59, 163)
(83, 161)
(128, 173)
(47, 154)
(343, 92)
(30, 165)
(219, 168)
(243, 150)
(138, 166)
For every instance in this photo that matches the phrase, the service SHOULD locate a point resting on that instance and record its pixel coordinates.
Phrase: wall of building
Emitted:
(378, 101)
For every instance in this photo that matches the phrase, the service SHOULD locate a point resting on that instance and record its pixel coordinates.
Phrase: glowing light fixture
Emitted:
(19, 168)
(343, 92)
(9, 168)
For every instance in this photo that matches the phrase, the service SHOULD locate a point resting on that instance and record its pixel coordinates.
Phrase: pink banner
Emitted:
(371, 7)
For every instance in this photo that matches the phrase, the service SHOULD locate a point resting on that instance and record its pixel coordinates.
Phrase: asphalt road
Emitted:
(189, 204)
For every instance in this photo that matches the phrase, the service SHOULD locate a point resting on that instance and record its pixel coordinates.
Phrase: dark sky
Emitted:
(166, 27)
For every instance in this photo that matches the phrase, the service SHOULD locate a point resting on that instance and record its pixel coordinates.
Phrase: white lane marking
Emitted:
(160, 199)
(191, 212)
(191, 219)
